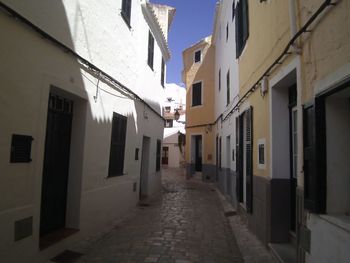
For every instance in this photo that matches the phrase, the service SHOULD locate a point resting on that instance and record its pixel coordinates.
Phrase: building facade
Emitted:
(282, 143)
(81, 118)
(226, 96)
(198, 76)
(173, 148)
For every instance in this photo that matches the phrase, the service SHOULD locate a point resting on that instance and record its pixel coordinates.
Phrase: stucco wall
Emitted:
(195, 72)
(31, 66)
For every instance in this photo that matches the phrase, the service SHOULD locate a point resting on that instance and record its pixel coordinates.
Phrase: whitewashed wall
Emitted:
(30, 65)
(225, 59)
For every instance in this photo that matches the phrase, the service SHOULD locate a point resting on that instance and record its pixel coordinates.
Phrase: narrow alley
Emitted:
(185, 223)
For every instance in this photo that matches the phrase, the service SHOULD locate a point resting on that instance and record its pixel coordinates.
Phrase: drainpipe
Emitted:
(293, 25)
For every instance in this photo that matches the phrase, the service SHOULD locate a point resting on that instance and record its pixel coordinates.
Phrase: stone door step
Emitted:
(283, 252)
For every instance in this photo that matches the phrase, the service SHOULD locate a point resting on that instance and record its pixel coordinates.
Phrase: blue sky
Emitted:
(193, 21)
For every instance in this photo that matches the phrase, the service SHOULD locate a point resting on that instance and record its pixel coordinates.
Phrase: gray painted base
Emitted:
(208, 172)
(269, 220)
(227, 184)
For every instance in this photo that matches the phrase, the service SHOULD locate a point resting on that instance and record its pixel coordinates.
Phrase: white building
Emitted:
(80, 111)
(173, 151)
(226, 95)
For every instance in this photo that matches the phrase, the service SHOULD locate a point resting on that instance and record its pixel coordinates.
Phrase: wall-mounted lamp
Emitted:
(263, 86)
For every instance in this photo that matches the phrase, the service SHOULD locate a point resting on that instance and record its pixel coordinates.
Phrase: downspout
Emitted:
(293, 25)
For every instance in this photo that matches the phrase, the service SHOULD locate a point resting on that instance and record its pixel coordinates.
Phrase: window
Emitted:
(197, 56)
(233, 9)
(326, 152)
(150, 50)
(227, 32)
(167, 109)
(228, 87)
(168, 123)
(162, 73)
(117, 152)
(126, 11)
(159, 144)
(197, 94)
(261, 154)
(219, 79)
(242, 26)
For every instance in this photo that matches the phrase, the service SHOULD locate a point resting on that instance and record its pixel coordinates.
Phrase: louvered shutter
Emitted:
(314, 156)
(116, 158)
(239, 159)
(245, 21)
(197, 94)
(150, 49)
(249, 159)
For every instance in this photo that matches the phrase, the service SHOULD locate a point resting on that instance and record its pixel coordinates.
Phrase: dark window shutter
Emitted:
(233, 9)
(245, 20)
(197, 94)
(162, 73)
(219, 79)
(150, 50)
(126, 11)
(249, 162)
(242, 26)
(228, 87)
(117, 151)
(197, 56)
(314, 157)
(237, 26)
(220, 148)
(159, 144)
(239, 159)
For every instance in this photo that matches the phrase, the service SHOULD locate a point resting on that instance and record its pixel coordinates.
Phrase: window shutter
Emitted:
(159, 144)
(249, 162)
(239, 159)
(220, 152)
(116, 158)
(245, 20)
(162, 73)
(126, 10)
(314, 156)
(237, 33)
(150, 49)
(197, 94)
(228, 88)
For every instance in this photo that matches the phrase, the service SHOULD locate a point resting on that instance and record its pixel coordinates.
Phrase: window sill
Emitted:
(338, 220)
(197, 106)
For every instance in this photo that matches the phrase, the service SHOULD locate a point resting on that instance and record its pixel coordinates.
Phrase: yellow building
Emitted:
(293, 132)
(198, 76)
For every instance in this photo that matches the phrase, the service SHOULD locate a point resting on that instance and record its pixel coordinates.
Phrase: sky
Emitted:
(193, 21)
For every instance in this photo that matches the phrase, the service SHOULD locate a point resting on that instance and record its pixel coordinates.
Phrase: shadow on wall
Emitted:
(72, 133)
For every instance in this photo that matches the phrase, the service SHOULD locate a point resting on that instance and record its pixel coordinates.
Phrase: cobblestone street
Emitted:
(183, 224)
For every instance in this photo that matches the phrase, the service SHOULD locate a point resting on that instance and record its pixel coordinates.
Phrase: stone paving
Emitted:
(184, 224)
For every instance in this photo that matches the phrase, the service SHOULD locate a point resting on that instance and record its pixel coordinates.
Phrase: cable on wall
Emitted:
(91, 67)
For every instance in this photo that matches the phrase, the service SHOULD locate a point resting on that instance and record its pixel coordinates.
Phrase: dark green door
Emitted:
(56, 165)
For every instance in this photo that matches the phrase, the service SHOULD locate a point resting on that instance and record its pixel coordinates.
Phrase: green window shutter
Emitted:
(117, 151)
(239, 159)
(249, 160)
(315, 181)
(245, 20)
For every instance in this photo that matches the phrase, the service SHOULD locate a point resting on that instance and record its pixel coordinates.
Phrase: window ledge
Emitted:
(338, 220)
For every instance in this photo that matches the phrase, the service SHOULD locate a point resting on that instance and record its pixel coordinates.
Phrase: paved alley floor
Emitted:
(185, 223)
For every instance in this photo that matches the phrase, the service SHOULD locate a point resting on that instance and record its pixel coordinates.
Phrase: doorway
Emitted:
(56, 165)
(293, 156)
(144, 167)
(198, 153)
